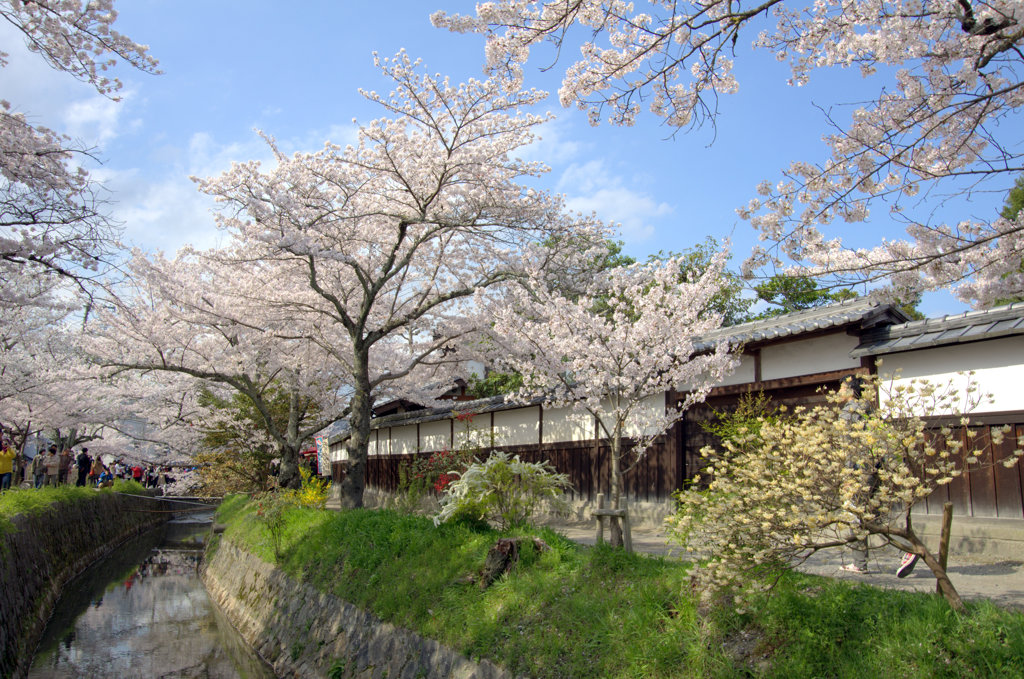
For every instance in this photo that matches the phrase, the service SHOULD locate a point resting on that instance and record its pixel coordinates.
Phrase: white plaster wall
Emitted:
(373, 447)
(998, 367)
(475, 432)
(384, 441)
(641, 418)
(744, 372)
(517, 427)
(809, 356)
(566, 424)
(435, 436)
(403, 440)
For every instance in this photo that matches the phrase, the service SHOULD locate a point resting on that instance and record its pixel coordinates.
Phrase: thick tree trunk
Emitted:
(288, 472)
(354, 484)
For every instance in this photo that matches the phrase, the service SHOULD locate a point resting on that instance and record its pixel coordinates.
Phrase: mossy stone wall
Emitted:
(304, 633)
(45, 551)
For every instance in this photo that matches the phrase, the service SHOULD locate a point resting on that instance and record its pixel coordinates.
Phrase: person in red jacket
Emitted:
(137, 473)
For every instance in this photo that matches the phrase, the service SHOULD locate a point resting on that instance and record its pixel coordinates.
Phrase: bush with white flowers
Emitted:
(503, 489)
(789, 485)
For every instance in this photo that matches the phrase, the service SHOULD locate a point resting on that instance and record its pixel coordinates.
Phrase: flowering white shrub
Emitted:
(828, 477)
(504, 489)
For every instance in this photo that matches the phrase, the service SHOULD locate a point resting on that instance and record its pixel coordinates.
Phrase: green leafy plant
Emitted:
(270, 511)
(579, 613)
(503, 489)
(338, 669)
(744, 422)
(272, 506)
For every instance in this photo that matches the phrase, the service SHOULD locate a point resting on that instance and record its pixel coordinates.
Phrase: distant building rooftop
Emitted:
(970, 326)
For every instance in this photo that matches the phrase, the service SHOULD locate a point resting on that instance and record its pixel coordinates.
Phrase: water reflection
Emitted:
(143, 612)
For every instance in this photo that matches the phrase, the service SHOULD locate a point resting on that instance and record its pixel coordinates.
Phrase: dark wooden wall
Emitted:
(986, 489)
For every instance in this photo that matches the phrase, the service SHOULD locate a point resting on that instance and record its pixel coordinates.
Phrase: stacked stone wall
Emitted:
(303, 632)
(45, 551)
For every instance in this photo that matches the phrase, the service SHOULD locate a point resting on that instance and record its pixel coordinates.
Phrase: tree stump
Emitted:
(504, 555)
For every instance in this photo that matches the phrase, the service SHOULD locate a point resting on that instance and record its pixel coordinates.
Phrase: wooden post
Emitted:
(947, 524)
(627, 534)
(622, 514)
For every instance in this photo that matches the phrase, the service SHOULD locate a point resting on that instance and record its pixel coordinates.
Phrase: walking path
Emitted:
(975, 577)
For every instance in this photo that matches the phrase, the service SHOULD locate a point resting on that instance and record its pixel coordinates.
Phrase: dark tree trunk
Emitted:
(354, 483)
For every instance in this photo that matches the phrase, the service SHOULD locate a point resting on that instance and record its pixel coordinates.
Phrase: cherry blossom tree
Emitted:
(950, 90)
(384, 242)
(633, 334)
(47, 385)
(52, 214)
(194, 317)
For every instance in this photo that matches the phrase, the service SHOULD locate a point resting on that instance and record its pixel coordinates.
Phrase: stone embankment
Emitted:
(303, 632)
(45, 551)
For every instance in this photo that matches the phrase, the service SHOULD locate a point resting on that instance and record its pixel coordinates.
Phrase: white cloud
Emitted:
(590, 187)
(553, 146)
(166, 212)
(95, 120)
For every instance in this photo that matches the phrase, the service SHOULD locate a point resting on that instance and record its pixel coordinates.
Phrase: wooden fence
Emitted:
(986, 489)
(654, 477)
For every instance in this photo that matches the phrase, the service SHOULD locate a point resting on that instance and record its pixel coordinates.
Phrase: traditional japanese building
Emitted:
(790, 358)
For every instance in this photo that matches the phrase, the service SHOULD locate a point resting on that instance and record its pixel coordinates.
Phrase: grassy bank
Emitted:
(584, 612)
(32, 501)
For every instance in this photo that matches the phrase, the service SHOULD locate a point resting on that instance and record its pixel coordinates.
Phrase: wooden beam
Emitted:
(785, 382)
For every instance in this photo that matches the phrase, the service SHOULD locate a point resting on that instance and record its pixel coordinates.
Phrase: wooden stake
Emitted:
(627, 533)
(947, 523)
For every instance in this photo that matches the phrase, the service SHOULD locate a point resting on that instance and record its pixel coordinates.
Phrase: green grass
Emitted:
(33, 501)
(598, 612)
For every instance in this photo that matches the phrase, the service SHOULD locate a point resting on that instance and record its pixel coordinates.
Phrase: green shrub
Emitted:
(504, 489)
(270, 509)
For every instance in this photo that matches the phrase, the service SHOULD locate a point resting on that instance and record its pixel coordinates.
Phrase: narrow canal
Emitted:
(143, 612)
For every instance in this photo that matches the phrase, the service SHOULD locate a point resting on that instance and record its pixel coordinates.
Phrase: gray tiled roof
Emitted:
(933, 332)
(861, 311)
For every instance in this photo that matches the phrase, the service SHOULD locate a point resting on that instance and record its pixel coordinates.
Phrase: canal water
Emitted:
(143, 612)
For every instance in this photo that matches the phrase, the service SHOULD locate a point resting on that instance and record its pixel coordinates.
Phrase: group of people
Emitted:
(53, 468)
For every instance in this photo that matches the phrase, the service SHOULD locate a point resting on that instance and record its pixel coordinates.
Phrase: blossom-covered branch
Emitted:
(941, 125)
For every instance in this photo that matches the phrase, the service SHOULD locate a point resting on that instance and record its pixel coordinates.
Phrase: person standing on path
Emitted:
(84, 464)
(65, 465)
(52, 463)
(96, 471)
(7, 455)
(38, 469)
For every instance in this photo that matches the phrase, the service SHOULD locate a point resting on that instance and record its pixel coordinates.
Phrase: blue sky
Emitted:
(294, 70)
